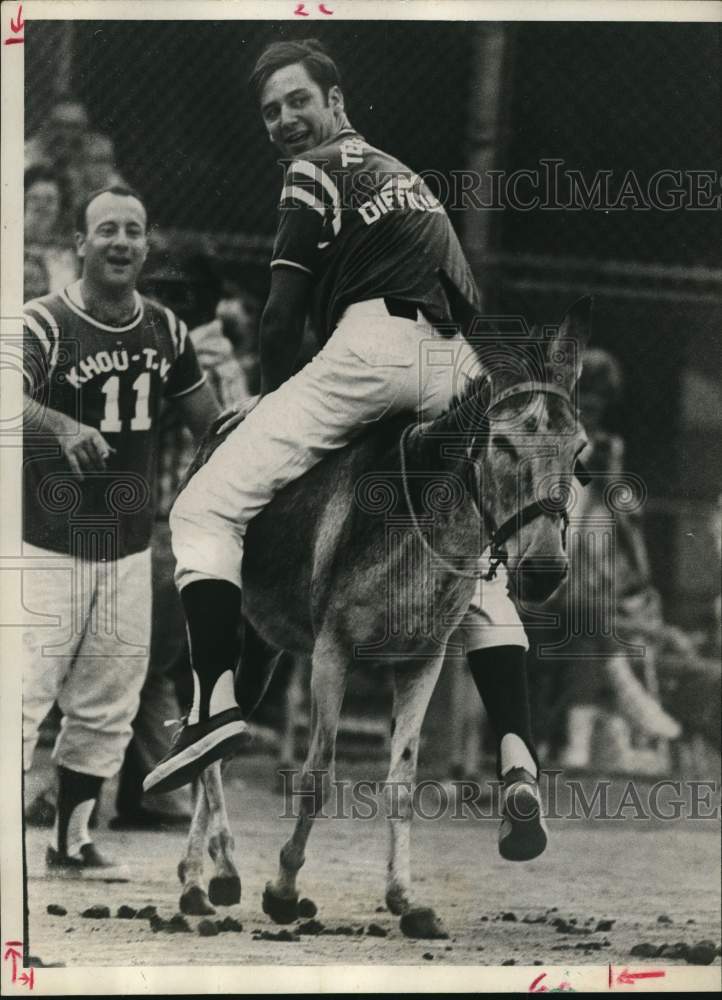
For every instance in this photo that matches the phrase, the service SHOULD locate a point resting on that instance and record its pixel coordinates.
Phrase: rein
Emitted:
(501, 535)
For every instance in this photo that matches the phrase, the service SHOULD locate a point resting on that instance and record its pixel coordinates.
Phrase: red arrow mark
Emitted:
(27, 979)
(629, 978)
(16, 26)
(11, 953)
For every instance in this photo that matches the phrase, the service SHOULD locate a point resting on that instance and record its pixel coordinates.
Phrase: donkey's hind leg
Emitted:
(224, 889)
(328, 682)
(413, 687)
(296, 684)
(190, 868)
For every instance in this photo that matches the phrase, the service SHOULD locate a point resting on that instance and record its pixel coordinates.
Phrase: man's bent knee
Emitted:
(204, 545)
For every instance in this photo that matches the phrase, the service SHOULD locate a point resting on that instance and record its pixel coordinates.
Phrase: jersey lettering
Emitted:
(365, 226)
(114, 380)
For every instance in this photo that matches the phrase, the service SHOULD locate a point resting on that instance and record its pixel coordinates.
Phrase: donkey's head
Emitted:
(530, 453)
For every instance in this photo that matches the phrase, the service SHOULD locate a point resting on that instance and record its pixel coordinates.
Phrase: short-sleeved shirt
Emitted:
(366, 226)
(113, 379)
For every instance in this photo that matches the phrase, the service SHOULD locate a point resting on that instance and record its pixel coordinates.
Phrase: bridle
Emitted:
(501, 535)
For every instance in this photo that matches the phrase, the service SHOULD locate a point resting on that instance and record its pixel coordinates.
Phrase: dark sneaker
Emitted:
(89, 864)
(195, 747)
(523, 832)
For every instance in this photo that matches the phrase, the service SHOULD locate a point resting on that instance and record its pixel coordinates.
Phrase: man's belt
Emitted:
(402, 308)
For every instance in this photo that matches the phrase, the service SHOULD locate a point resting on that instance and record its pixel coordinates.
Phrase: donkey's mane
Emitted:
(462, 406)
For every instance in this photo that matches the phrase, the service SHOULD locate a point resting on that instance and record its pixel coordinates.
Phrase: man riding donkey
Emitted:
(363, 243)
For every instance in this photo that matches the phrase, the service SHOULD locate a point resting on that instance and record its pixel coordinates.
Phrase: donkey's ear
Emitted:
(565, 349)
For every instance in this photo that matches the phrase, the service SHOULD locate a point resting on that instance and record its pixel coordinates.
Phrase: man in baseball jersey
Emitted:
(363, 244)
(98, 360)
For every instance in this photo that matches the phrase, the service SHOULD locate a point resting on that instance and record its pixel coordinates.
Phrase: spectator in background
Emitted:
(99, 170)
(36, 281)
(46, 206)
(60, 143)
(47, 226)
(602, 686)
(227, 346)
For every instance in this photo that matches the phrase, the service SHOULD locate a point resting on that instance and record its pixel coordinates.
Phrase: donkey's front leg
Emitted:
(224, 889)
(190, 868)
(328, 682)
(413, 687)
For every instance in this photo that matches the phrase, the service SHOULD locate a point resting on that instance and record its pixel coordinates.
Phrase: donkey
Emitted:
(384, 569)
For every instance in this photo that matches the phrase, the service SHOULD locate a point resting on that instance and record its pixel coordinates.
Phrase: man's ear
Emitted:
(335, 98)
(80, 239)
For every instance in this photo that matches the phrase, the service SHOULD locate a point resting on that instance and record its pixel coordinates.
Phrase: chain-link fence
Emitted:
(174, 98)
(595, 98)
(615, 103)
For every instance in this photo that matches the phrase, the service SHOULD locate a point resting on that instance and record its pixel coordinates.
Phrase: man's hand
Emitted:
(84, 447)
(86, 450)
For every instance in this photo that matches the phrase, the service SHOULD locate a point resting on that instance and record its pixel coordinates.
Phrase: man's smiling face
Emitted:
(114, 247)
(297, 114)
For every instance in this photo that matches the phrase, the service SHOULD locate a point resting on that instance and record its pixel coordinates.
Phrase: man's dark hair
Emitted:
(81, 220)
(309, 52)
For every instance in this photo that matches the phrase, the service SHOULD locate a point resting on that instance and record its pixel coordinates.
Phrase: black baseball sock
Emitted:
(500, 677)
(213, 615)
(77, 794)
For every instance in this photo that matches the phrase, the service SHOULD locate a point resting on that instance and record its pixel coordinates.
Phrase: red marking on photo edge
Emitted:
(16, 26)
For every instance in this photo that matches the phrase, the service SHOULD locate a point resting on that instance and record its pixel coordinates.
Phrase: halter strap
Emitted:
(516, 390)
(517, 521)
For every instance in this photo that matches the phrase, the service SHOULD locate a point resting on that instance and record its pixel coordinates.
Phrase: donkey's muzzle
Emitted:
(535, 579)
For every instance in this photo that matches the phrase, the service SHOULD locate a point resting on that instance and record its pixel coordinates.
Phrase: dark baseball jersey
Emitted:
(113, 379)
(365, 226)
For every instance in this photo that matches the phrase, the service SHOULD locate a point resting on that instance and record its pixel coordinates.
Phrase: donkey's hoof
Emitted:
(281, 909)
(397, 903)
(422, 923)
(194, 902)
(224, 890)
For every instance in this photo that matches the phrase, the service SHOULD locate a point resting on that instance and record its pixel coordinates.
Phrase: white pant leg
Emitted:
(100, 694)
(492, 619)
(50, 643)
(370, 368)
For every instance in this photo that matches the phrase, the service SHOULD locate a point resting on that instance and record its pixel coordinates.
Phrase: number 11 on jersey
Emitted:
(140, 421)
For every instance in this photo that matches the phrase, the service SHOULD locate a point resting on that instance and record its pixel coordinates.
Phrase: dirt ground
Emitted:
(629, 872)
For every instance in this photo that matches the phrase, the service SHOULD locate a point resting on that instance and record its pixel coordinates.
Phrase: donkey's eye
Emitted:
(502, 442)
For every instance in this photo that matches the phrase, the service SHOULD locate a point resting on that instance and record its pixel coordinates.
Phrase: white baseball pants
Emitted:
(373, 366)
(90, 653)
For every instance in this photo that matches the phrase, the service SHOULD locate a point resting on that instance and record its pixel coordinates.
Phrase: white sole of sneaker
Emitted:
(164, 777)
